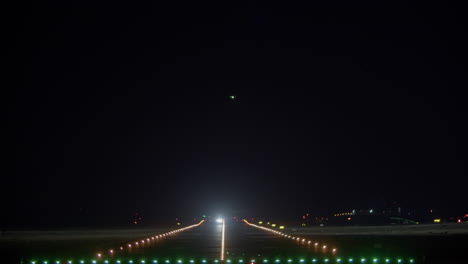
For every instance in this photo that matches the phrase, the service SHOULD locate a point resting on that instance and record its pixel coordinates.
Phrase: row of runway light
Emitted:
(238, 261)
(147, 240)
(297, 239)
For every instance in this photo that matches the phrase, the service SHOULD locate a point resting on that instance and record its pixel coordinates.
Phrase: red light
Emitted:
(459, 221)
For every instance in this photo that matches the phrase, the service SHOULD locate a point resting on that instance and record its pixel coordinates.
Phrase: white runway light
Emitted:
(219, 221)
(148, 239)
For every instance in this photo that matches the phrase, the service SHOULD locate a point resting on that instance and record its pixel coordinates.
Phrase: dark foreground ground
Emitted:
(242, 244)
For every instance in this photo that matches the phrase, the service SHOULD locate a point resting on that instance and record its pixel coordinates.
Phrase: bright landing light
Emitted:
(222, 241)
(219, 220)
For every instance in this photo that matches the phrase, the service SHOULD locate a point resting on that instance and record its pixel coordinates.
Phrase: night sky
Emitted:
(122, 106)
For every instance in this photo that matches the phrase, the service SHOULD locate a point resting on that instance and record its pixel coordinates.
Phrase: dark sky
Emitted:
(123, 106)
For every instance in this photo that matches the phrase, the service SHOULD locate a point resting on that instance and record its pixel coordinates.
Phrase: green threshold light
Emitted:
(340, 259)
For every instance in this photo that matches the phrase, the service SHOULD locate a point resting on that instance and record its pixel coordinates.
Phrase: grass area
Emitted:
(426, 229)
(16, 245)
(60, 244)
(426, 249)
